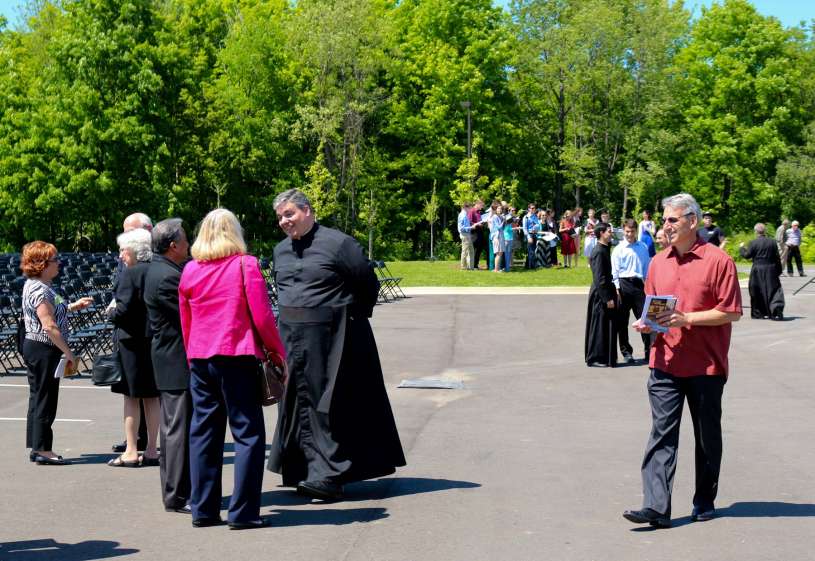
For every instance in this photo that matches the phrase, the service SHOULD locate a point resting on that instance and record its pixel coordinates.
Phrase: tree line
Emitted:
(174, 107)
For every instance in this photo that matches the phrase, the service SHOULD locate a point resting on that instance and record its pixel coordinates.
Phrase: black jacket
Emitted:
(129, 315)
(167, 349)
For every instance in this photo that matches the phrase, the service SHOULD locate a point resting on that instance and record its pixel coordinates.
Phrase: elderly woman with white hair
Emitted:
(129, 314)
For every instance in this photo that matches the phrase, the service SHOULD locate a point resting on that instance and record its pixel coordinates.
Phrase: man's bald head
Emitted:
(137, 220)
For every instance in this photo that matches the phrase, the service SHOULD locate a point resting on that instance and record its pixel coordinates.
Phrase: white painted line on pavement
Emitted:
(61, 387)
(60, 420)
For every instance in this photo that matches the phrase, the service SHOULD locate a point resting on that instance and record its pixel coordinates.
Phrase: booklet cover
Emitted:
(653, 306)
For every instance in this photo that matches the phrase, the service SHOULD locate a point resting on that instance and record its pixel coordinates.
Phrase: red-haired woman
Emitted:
(46, 326)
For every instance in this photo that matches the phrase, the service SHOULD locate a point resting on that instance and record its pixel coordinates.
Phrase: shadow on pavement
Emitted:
(326, 516)
(47, 549)
(766, 509)
(754, 509)
(366, 490)
(94, 458)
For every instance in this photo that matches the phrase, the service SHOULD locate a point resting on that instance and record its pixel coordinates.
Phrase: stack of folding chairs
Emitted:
(81, 275)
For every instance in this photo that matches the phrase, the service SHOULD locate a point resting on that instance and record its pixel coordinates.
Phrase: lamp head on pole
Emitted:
(465, 104)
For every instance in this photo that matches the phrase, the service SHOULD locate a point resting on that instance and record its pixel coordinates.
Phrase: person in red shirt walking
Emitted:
(688, 362)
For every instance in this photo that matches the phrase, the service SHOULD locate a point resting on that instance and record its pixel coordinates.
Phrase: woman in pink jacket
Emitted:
(228, 325)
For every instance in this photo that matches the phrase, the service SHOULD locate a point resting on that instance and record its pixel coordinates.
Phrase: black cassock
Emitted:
(601, 335)
(766, 294)
(335, 421)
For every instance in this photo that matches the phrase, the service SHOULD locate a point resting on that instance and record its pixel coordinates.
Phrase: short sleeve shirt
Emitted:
(713, 235)
(35, 292)
(703, 278)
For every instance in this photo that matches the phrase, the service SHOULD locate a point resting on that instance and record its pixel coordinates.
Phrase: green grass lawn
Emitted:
(447, 273)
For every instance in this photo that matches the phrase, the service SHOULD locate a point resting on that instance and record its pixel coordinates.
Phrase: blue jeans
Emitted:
(507, 255)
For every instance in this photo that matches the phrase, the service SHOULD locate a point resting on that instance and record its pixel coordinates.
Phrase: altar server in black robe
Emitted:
(766, 294)
(601, 334)
(335, 422)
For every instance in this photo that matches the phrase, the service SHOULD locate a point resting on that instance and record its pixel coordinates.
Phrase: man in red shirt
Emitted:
(688, 362)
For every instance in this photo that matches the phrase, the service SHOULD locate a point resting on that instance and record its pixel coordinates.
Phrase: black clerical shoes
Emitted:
(596, 365)
(322, 490)
(251, 525)
(647, 516)
(206, 522)
(699, 515)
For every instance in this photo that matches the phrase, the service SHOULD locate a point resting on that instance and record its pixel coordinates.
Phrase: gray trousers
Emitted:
(667, 395)
(174, 431)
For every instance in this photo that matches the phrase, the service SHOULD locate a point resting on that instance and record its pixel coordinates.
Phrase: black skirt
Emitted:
(137, 369)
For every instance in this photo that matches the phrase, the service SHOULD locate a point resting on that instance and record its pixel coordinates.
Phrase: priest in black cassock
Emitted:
(601, 334)
(335, 423)
(766, 294)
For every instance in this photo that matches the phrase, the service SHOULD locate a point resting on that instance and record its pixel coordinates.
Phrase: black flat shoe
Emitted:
(647, 516)
(322, 490)
(596, 365)
(251, 525)
(699, 515)
(148, 462)
(46, 461)
(206, 522)
(180, 510)
(32, 457)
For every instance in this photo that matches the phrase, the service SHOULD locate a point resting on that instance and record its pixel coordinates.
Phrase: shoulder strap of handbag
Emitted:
(248, 308)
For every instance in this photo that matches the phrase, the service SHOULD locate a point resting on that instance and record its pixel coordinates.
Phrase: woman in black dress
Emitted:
(129, 314)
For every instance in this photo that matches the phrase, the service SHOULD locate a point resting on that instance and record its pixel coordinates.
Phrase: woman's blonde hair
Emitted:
(219, 235)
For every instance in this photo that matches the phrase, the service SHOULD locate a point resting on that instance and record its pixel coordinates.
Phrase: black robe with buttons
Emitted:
(335, 422)
(600, 345)
(766, 294)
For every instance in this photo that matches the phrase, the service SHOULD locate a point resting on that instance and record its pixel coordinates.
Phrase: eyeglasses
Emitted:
(675, 219)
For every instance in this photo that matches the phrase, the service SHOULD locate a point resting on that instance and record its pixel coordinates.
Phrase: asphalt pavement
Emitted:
(535, 459)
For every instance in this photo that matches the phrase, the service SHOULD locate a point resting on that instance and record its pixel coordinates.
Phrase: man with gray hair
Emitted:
(170, 367)
(793, 242)
(335, 423)
(688, 361)
(766, 293)
(781, 240)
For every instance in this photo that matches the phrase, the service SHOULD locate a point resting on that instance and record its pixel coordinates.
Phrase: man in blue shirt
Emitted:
(465, 229)
(629, 268)
(531, 226)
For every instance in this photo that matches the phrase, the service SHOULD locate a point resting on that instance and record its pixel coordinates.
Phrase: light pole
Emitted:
(466, 105)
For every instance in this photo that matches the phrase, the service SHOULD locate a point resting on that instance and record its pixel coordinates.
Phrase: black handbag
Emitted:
(107, 369)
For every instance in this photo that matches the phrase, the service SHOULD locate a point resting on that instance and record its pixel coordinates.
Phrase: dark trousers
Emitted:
(794, 252)
(531, 260)
(632, 298)
(479, 245)
(41, 360)
(174, 431)
(226, 388)
(667, 394)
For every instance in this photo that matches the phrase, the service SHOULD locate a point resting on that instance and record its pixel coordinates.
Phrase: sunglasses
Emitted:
(675, 219)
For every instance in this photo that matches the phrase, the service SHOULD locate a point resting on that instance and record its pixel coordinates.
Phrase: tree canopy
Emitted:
(174, 107)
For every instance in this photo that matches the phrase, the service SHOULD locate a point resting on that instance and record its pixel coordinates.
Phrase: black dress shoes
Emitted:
(596, 365)
(46, 461)
(628, 358)
(322, 490)
(699, 515)
(647, 516)
(181, 509)
(251, 525)
(206, 522)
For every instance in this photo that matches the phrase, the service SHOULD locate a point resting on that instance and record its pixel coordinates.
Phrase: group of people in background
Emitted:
(190, 336)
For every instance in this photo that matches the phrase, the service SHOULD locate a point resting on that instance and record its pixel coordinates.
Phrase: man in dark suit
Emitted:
(170, 249)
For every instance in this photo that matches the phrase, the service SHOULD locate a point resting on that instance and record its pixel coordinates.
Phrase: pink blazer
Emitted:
(215, 319)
